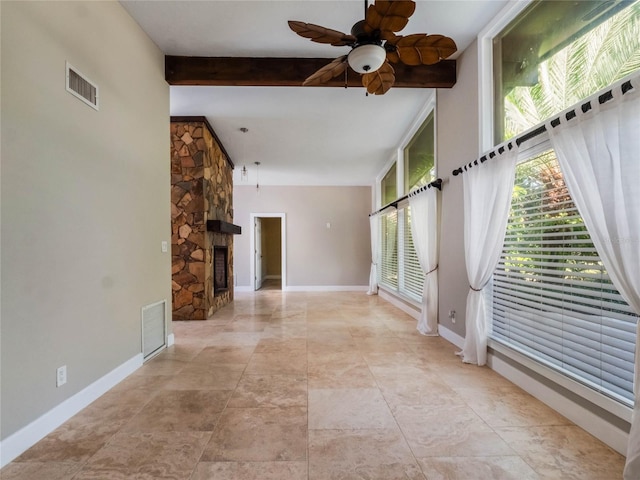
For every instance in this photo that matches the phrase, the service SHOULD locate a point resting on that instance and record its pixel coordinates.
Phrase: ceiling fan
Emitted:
(374, 44)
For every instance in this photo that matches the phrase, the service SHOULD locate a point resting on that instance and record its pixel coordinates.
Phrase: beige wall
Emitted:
(316, 255)
(271, 247)
(457, 115)
(85, 199)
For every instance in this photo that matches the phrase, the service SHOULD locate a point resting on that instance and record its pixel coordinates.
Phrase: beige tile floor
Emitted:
(293, 386)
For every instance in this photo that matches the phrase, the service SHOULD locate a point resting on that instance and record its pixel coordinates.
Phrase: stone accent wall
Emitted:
(201, 190)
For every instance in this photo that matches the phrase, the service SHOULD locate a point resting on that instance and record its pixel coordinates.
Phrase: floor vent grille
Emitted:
(154, 328)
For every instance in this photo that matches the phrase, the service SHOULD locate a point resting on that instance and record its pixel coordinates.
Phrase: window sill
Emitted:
(404, 303)
(606, 403)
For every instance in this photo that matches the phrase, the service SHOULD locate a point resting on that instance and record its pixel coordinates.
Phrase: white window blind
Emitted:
(399, 266)
(552, 298)
(388, 270)
(413, 276)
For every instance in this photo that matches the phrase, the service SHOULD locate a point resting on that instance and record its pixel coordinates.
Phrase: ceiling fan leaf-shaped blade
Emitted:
(390, 37)
(390, 46)
(373, 20)
(423, 49)
(393, 57)
(327, 72)
(319, 34)
(380, 81)
(389, 15)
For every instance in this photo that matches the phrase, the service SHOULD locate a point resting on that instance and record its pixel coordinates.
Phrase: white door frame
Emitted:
(283, 245)
(258, 254)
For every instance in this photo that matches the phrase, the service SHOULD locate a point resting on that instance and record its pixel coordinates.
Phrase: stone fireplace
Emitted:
(201, 201)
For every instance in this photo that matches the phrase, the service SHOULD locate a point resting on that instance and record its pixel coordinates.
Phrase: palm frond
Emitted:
(597, 59)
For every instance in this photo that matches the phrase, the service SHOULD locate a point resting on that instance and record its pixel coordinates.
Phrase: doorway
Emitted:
(268, 250)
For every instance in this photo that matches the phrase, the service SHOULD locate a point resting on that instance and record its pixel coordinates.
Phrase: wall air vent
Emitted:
(154, 328)
(81, 87)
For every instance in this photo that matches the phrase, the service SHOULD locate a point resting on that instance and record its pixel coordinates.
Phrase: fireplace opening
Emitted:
(220, 269)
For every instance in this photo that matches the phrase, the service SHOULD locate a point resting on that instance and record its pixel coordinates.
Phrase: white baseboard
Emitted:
(401, 304)
(243, 288)
(28, 436)
(327, 288)
(408, 308)
(171, 339)
(581, 416)
(451, 336)
(311, 288)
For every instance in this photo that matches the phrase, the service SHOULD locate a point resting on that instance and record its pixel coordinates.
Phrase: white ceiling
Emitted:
(301, 135)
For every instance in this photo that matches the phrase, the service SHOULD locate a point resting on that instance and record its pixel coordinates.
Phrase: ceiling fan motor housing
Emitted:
(367, 58)
(367, 55)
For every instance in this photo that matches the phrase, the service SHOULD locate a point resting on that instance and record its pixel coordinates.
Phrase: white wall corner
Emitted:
(14, 445)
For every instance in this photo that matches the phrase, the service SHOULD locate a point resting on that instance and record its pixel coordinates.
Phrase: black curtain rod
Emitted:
(437, 183)
(585, 107)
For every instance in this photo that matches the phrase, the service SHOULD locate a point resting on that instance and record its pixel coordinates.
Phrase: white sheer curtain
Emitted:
(424, 231)
(374, 222)
(487, 198)
(599, 155)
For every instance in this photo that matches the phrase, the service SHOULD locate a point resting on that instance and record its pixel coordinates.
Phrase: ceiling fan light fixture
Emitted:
(367, 58)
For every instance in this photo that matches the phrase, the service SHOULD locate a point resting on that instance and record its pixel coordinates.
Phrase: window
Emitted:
(388, 271)
(388, 186)
(400, 269)
(556, 53)
(413, 278)
(419, 156)
(552, 298)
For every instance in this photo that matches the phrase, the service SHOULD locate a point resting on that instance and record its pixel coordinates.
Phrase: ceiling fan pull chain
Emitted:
(346, 81)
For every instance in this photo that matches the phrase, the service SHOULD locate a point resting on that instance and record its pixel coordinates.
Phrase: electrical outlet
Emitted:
(452, 316)
(61, 376)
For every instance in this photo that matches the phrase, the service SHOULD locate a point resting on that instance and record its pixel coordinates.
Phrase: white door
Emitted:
(257, 259)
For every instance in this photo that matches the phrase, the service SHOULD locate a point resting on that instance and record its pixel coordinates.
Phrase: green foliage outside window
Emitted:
(595, 60)
(419, 156)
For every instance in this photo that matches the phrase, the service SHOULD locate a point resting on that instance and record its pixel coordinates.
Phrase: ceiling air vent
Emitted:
(81, 87)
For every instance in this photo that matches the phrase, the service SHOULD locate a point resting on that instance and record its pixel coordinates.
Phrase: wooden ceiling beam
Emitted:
(291, 72)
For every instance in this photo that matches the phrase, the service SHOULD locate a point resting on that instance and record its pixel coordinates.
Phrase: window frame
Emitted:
(386, 264)
(381, 195)
(620, 405)
(529, 148)
(404, 286)
(429, 118)
(486, 91)
(428, 109)
(485, 71)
